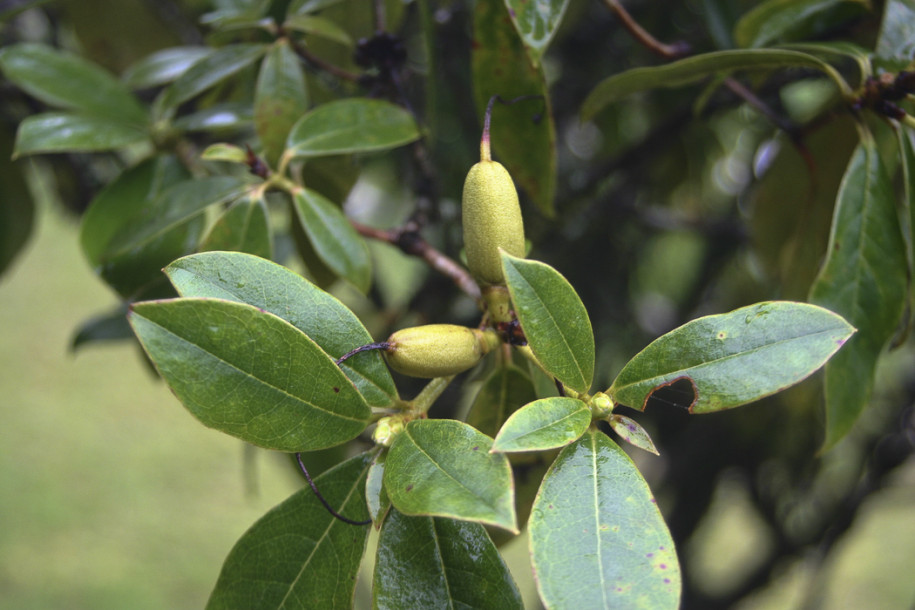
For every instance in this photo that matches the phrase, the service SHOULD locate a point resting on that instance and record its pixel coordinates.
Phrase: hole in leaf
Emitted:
(680, 392)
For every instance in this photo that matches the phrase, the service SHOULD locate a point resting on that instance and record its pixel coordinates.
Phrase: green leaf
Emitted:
(547, 423)
(376, 498)
(333, 237)
(111, 326)
(897, 32)
(129, 201)
(280, 98)
(17, 212)
(235, 276)
(788, 20)
(219, 117)
(597, 537)
(210, 70)
(632, 432)
(442, 467)
(536, 22)
(501, 66)
(862, 279)
(554, 320)
(318, 26)
(244, 227)
(303, 7)
(222, 151)
(429, 562)
(350, 126)
(506, 390)
(171, 209)
(163, 66)
(67, 81)
(250, 374)
(62, 132)
(730, 359)
(695, 68)
(298, 555)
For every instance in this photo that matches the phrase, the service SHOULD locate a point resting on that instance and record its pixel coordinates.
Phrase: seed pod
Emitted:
(437, 350)
(492, 220)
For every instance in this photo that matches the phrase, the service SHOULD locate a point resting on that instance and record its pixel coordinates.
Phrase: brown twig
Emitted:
(320, 64)
(667, 51)
(409, 240)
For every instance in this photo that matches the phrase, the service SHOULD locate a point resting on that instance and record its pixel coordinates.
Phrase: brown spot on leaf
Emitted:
(336, 390)
(680, 392)
(410, 487)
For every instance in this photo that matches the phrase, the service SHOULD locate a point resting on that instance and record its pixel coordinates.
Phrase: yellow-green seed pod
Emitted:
(492, 220)
(437, 350)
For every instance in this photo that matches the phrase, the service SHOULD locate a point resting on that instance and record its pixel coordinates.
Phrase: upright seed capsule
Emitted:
(492, 220)
(491, 214)
(437, 350)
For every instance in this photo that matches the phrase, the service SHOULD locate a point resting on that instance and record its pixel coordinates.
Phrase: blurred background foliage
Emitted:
(668, 205)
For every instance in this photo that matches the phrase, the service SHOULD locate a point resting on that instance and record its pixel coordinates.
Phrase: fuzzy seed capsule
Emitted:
(437, 350)
(492, 220)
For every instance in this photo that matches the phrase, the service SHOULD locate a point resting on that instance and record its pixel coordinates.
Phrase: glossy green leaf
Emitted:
(376, 497)
(219, 117)
(536, 22)
(171, 209)
(431, 562)
(352, 125)
(111, 326)
(632, 432)
(212, 69)
(442, 467)
(304, 7)
(730, 359)
(506, 390)
(235, 276)
(500, 65)
(333, 237)
(250, 374)
(787, 20)
(695, 68)
(547, 423)
(244, 227)
(280, 98)
(597, 537)
(63, 132)
(222, 151)
(17, 212)
(318, 26)
(65, 80)
(897, 32)
(298, 555)
(864, 280)
(128, 202)
(554, 320)
(163, 66)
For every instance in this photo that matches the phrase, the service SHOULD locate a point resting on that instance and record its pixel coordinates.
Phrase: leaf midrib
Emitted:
(707, 363)
(250, 376)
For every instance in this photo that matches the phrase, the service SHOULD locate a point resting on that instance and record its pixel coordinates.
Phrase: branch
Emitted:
(667, 51)
(409, 240)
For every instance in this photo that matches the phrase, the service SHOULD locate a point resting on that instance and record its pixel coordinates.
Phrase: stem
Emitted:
(667, 51)
(319, 63)
(430, 394)
(314, 488)
(411, 242)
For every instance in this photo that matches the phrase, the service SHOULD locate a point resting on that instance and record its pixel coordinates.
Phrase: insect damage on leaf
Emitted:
(679, 392)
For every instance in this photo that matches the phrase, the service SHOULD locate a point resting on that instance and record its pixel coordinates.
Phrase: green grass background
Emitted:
(113, 496)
